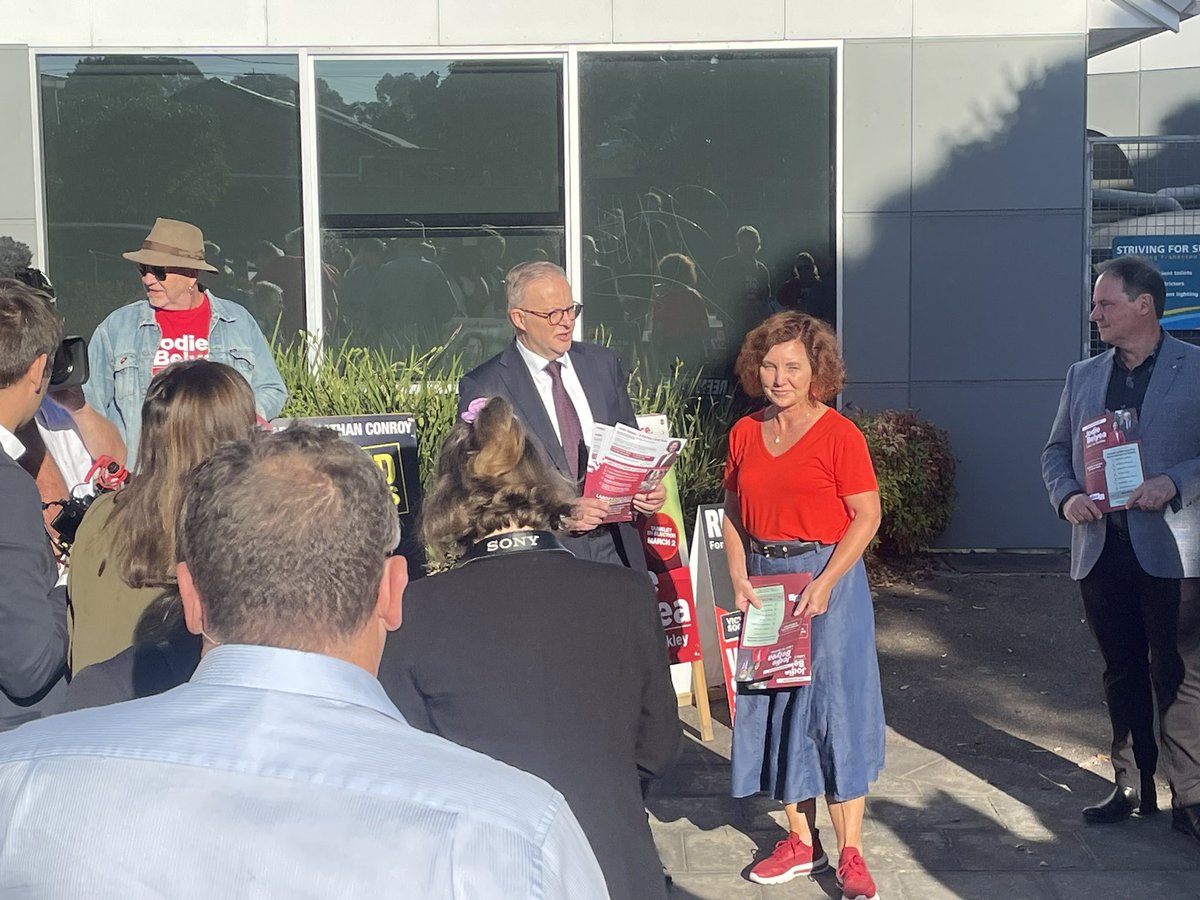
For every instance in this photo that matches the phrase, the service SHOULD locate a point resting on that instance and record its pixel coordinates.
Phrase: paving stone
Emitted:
(719, 850)
(987, 850)
(721, 887)
(908, 850)
(950, 778)
(670, 850)
(939, 809)
(1123, 885)
(978, 886)
(693, 813)
(1138, 844)
(694, 781)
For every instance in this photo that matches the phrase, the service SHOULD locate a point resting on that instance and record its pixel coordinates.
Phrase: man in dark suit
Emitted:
(559, 389)
(1139, 568)
(33, 599)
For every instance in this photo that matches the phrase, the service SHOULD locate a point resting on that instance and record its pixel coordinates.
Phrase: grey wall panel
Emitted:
(875, 299)
(998, 124)
(18, 186)
(995, 296)
(877, 131)
(876, 396)
(997, 432)
(1112, 103)
(1170, 102)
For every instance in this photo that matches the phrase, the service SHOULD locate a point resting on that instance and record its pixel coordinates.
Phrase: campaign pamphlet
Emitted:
(623, 461)
(775, 650)
(1112, 460)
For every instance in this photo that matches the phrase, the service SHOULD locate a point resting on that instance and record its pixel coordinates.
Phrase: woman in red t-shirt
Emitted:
(801, 496)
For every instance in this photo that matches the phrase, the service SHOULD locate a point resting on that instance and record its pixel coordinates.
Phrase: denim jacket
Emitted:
(121, 352)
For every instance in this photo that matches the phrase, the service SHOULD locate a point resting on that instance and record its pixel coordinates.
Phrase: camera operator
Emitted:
(67, 435)
(33, 600)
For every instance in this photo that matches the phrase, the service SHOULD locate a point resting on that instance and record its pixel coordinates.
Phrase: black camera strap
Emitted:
(511, 542)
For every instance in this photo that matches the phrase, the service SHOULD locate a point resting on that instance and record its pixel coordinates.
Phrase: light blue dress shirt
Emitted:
(274, 773)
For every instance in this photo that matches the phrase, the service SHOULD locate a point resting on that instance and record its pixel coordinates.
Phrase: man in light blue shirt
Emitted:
(281, 769)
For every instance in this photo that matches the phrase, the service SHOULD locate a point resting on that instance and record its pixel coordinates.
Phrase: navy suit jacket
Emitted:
(1167, 542)
(33, 612)
(605, 386)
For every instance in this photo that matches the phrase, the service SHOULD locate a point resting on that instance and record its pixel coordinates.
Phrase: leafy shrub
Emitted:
(915, 469)
(356, 381)
(351, 381)
(703, 420)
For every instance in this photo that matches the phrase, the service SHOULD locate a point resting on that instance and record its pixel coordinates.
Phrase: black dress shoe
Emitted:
(1187, 820)
(1116, 807)
(1149, 805)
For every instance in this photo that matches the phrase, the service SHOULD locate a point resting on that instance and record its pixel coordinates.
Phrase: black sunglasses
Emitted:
(159, 272)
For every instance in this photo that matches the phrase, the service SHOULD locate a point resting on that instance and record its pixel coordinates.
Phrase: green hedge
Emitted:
(354, 381)
(912, 457)
(916, 470)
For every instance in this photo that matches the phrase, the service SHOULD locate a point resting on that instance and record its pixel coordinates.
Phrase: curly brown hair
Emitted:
(490, 475)
(819, 340)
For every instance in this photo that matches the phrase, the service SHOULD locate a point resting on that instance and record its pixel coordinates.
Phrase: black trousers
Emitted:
(1148, 630)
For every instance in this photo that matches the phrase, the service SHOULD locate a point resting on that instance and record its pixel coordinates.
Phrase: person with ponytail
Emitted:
(553, 664)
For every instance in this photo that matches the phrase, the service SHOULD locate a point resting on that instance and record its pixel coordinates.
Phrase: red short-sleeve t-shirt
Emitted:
(798, 496)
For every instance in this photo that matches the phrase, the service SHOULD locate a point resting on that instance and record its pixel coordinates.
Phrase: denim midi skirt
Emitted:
(827, 737)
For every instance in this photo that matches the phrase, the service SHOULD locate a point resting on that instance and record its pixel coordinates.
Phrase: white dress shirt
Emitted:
(12, 444)
(541, 380)
(274, 773)
(65, 445)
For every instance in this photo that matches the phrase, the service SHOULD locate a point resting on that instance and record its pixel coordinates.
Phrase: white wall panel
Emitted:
(1123, 59)
(965, 18)
(524, 22)
(697, 20)
(149, 23)
(46, 22)
(349, 23)
(17, 188)
(808, 19)
(1170, 50)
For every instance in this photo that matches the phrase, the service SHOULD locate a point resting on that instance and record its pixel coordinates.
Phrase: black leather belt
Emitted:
(783, 549)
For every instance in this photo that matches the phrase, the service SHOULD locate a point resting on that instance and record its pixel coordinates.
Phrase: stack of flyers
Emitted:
(624, 461)
(775, 650)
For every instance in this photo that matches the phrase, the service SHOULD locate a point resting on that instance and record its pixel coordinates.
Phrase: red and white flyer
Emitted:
(775, 649)
(1112, 460)
(622, 462)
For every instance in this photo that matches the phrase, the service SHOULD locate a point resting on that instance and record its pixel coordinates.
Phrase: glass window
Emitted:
(708, 198)
(436, 177)
(212, 140)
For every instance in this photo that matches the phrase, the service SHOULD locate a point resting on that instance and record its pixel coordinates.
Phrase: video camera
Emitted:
(71, 361)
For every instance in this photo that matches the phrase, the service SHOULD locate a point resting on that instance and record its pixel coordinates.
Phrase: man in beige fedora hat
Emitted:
(178, 319)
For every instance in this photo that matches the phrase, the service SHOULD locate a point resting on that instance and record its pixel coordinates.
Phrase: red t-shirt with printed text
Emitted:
(798, 496)
(184, 334)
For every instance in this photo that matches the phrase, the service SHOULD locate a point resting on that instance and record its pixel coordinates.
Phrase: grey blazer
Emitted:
(1167, 543)
(33, 612)
(599, 370)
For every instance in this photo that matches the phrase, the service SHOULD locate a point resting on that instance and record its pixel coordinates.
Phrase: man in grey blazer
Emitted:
(1139, 568)
(33, 600)
(559, 389)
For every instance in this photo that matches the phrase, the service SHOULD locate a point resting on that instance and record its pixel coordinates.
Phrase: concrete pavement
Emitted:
(996, 740)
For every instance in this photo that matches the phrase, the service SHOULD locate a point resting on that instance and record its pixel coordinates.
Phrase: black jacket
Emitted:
(557, 666)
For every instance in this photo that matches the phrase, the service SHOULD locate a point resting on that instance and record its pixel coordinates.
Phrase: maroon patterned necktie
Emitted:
(569, 430)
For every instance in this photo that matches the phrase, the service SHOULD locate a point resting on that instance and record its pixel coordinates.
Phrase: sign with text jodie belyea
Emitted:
(391, 441)
(1177, 257)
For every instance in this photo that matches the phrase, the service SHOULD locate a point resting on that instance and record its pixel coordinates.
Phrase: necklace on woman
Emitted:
(779, 424)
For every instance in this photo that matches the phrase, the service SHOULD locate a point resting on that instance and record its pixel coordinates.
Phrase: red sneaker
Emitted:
(791, 857)
(854, 878)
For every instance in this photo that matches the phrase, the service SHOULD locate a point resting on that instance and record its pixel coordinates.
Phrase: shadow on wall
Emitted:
(986, 249)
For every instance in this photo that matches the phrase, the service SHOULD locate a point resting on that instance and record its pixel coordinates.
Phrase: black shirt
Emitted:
(1126, 388)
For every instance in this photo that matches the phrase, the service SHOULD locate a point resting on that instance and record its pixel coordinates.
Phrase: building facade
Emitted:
(367, 170)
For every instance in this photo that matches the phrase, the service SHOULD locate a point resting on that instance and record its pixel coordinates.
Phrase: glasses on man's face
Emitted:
(159, 272)
(555, 316)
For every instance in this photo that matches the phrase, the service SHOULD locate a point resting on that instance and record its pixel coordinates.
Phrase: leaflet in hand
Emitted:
(775, 650)
(1112, 460)
(624, 461)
